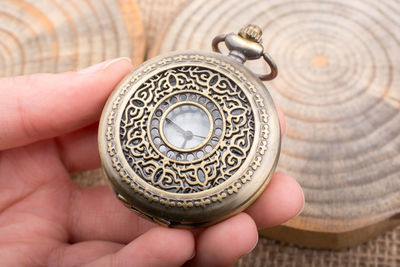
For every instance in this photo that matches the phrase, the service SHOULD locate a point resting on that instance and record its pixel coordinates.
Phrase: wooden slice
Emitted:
(156, 15)
(55, 35)
(339, 86)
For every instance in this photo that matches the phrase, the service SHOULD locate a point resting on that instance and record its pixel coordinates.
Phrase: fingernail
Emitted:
(255, 245)
(302, 207)
(103, 65)
(111, 62)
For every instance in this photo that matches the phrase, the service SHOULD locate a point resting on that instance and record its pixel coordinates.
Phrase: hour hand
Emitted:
(176, 126)
(184, 143)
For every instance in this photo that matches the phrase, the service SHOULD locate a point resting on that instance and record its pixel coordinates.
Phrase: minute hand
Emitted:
(176, 126)
(199, 136)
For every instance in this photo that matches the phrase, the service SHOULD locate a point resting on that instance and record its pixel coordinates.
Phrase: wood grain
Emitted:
(156, 16)
(338, 86)
(55, 35)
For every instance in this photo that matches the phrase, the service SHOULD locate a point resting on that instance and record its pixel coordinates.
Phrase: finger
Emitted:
(157, 247)
(224, 243)
(95, 213)
(282, 120)
(41, 106)
(282, 199)
(82, 253)
(79, 150)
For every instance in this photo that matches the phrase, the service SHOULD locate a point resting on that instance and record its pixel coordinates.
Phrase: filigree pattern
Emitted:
(115, 161)
(210, 165)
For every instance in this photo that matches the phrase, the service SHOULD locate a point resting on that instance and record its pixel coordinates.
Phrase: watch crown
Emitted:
(251, 32)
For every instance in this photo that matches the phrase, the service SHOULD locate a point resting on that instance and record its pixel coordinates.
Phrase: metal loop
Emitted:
(216, 41)
(263, 77)
(274, 69)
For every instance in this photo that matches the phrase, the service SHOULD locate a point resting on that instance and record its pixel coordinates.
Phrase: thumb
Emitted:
(40, 106)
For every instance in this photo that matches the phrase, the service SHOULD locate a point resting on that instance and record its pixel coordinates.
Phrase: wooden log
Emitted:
(55, 35)
(156, 15)
(339, 87)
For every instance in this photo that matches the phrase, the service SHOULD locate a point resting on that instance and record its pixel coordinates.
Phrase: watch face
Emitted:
(189, 139)
(186, 126)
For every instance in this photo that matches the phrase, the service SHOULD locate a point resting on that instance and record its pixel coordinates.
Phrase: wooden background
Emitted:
(56, 36)
(338, 86)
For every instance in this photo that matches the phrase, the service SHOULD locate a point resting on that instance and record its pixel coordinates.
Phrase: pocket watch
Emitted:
(191, 138)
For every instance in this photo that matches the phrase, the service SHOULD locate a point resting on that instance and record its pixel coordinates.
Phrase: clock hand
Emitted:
(199, 136)
(176, 126)
(184, 143)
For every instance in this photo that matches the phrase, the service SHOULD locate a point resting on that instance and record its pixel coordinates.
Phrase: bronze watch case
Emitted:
(219, 175)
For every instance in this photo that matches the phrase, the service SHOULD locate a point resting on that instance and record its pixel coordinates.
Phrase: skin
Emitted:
(48, 129)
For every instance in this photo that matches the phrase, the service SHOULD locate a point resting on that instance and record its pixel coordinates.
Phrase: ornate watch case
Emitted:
(190, 138)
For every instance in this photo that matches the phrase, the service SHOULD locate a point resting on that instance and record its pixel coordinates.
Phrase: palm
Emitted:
(41, 203)
(47, 220)
(35, 203)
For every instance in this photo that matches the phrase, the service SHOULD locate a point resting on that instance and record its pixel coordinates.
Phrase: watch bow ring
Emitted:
(190, 138)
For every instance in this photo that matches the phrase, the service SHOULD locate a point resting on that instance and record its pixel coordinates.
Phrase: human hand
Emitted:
(48, 129)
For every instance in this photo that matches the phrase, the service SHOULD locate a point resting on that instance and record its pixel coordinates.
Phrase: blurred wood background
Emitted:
(56, 36)
(338, 86)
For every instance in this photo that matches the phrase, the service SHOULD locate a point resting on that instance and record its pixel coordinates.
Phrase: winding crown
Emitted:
(251, 32)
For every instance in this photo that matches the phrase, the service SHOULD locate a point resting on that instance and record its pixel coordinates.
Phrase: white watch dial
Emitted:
(186, 126)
